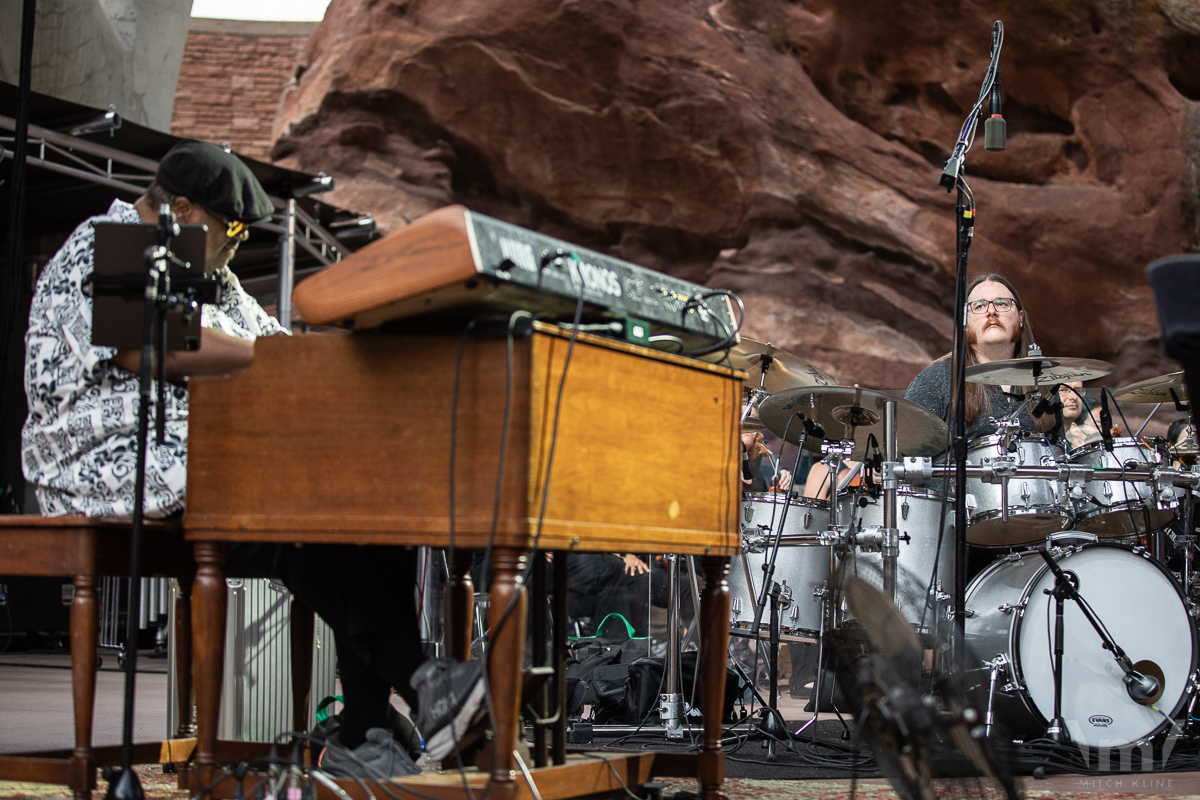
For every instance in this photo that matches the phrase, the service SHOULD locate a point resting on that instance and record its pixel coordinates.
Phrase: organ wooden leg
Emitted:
(85, 622)
(506, 656)
(460, 600)
(208, 630)
(714, 645)
(182, 637)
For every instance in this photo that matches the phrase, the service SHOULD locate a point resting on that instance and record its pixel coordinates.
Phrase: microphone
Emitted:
(1141, 688)
(995, 130)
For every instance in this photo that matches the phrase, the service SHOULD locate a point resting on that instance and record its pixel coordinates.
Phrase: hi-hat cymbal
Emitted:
(848, 412)
(1154, 390)
(1019, 371)
(784, 370)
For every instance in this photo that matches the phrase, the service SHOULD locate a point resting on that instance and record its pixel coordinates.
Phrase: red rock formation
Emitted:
(788, 150)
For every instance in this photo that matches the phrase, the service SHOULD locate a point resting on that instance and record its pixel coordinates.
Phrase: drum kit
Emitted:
(1100, 535)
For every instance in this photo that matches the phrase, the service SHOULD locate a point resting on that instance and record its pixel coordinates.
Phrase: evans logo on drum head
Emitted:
(1100, 720)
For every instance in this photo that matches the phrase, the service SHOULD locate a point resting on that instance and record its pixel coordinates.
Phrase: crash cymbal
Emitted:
(753, 425)
(1154, 390)
(1019, 371)
(848, 412)
(784, 370)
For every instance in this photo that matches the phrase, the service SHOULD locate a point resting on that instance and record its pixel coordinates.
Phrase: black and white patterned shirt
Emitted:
(77, 446)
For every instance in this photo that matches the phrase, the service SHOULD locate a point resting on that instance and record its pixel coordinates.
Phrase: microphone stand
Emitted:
(155, 283)
(1066, 586)
(964, 215)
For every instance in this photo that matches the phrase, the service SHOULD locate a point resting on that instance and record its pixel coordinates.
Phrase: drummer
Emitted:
(760, 472)
(997, 329)
(1080, 423)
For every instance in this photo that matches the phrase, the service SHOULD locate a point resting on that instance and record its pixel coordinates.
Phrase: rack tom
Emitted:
(1114, 509)
(1035, 508)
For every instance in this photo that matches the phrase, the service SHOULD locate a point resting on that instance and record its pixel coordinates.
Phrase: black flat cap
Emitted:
(204, 173)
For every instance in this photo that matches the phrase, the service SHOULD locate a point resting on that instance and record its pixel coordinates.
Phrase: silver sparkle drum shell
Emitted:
(1114, 509)
(919, 518)
(801, 567)
(1035, 509)
(1138, 601)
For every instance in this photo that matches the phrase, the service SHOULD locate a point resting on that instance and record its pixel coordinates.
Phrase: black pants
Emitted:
(365, 595)
(598, 586)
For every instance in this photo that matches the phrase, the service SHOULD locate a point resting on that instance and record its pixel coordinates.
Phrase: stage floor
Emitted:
(35, 713)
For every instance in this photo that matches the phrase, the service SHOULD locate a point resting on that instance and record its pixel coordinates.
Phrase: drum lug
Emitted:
(1008, 608)
(950, 612)
(735, 605)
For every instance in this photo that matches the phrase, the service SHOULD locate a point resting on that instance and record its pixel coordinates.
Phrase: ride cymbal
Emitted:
(784, 370)
(848, 412)
(1020, 371)
(1154, 390)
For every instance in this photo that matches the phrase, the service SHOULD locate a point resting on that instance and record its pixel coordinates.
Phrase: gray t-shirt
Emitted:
(932, 389)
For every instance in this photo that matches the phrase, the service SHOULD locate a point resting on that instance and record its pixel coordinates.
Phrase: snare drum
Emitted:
(1035, 509)
(918, 518)
(802, 567)
(1113, 509)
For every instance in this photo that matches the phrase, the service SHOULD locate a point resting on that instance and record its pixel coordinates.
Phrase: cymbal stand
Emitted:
(670, 703)
(759, 394)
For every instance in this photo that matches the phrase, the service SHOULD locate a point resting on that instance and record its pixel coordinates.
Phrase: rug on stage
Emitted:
(158, 786)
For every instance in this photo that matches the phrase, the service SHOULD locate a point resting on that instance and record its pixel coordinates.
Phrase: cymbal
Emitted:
(784, 370)
(1019, 371)
(848, 412)
(753, 425)
(1154, 390)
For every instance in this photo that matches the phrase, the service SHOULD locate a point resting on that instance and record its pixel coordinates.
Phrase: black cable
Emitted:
(537, 534)
(731, 335)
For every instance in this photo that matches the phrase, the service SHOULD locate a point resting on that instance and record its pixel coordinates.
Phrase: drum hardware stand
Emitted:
(823, 593)
(997, 664)
(1141, 687)
(670, 703)
(772, 722)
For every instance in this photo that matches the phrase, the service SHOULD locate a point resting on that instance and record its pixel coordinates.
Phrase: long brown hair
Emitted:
(977, 399)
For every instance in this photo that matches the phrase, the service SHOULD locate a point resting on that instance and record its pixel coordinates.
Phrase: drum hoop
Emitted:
(1020, 436)
(1014, 627)
(923, 493)
(774, 498)
(1118, 441)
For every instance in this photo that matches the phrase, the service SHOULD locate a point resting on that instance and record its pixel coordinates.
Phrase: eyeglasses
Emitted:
(1001, 304)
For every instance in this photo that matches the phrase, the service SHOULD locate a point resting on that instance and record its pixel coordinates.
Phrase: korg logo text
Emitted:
(597, 279)
(519, 253)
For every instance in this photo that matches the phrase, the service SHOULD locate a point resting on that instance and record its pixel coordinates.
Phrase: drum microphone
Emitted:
(995, 129)
(1141, 688)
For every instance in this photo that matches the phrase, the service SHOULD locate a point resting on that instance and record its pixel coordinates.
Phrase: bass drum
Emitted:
(1009, 616)
(801, 568)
